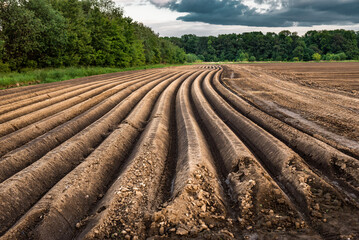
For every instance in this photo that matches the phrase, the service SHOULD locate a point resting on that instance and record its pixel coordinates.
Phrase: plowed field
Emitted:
(193, 152)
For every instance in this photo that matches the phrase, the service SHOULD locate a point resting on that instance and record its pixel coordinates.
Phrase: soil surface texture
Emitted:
(245, 151)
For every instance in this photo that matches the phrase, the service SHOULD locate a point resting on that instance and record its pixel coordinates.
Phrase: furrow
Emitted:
(21, 191)
(17, 94)
(27, 92)
(87, 181)
(68, 95)
(24, 135)
(322, 204)
(261, 205)
(54, 96)
(129, 201)
(338, 167)
(42, 98)
(346, 121)
(22, 121)
(197, 201)
(29, 153)
(175, 153)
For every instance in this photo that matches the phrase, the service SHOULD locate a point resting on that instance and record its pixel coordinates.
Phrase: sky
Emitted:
(214, 17)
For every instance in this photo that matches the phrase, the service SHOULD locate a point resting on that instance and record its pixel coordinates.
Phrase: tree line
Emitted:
(56, 33)
(284, 46)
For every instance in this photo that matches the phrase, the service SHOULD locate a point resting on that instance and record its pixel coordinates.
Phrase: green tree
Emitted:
(53, 37)
(78, 50)
(2, 42)
(211, 52)
(21, 31)
(151, 43)
(299, 52)
(4, 67)
(190, 43)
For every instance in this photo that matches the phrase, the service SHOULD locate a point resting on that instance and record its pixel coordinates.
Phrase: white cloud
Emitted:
(263, 6)
(148, 14)
(160, 2)
(177, 28)
(164, 21)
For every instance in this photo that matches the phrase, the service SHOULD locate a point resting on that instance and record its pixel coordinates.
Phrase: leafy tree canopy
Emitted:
(55, 33)
(284, 46)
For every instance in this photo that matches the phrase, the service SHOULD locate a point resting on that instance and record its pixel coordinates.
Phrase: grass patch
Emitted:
(30, 77)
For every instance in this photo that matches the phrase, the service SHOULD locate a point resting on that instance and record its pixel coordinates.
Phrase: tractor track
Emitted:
(169, 153)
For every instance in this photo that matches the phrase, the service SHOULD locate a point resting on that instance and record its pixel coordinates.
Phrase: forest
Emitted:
(285, 46)
(62, 33)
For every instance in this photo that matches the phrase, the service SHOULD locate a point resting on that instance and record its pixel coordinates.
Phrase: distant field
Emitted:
(336, 76)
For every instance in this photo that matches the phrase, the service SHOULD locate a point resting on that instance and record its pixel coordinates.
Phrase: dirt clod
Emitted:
(181, 231)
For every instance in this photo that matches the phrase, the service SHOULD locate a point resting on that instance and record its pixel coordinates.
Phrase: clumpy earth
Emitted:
(242, 151)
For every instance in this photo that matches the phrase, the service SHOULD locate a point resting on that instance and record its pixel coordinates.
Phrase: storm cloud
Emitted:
(266, 13)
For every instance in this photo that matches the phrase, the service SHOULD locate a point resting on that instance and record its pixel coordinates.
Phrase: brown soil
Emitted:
(321, 99)
(196, 152)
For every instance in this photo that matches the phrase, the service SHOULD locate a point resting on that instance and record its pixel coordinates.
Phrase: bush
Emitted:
(336, 57)
(316, 57)
(243, 57)
(4, 67)
(296, 59)
(342, 56)
(328, 57)
(278, 58)
(191, 58)
(201, 57)
(252, 58)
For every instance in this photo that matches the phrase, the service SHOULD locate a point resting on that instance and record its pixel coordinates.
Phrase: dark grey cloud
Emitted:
(281, 13)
